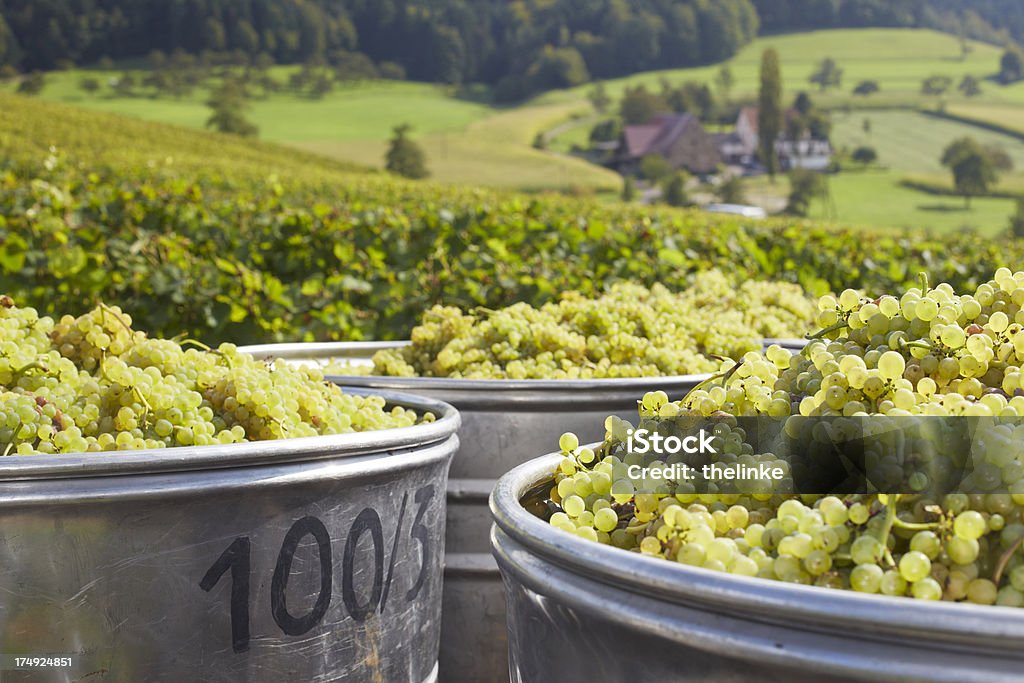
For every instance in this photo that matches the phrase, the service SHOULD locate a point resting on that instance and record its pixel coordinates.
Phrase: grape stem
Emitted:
(107, 309)
(721, 376)
(14, 436)
(834, 327)
(912, 526)
(1004, 559)
(204, 347)
(35, 365)
(887, 524)
(915, 345)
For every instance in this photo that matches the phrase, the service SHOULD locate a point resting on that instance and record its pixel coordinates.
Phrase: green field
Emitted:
(908, 141)
(470, 142)
(466, 142)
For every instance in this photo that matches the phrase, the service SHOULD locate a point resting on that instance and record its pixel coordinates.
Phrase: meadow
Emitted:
(470, 141)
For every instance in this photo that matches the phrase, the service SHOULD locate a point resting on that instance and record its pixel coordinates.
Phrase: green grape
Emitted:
(568, 442)
(969, 525)
(866, 578)
(92, 383)
(926, 589)
(981, 592)
(605, 520)
(628, 331)
(914, 566)
(941, 354)
(893, 583)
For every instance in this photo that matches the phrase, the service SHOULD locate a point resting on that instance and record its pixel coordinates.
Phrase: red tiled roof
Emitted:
(655, 137)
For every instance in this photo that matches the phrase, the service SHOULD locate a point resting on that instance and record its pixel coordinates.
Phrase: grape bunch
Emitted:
(922, 352)
(93, 383)
(630, 331)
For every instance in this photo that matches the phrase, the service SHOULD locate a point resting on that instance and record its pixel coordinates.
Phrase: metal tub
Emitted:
(504, 423)
(312, 559)
(582, 612)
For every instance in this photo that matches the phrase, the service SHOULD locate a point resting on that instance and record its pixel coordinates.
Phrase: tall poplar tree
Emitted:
(769, 112)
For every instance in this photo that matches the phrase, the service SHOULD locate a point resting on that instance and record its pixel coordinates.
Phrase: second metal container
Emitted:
(580, 612)
(504, 423)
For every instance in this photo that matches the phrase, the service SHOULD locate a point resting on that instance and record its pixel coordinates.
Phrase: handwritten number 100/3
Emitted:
(237, 558)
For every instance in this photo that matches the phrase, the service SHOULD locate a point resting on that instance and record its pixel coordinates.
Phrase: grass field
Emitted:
(875, 198)
(899, 59)
(466, 141)
(912, 142)
(471, 142)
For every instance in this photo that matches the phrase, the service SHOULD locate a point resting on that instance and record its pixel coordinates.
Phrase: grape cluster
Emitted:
(93, 383)
(923, 352)
(630, 331)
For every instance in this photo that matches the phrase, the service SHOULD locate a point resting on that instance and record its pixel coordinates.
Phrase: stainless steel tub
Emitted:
(313, 559)
(580, 612)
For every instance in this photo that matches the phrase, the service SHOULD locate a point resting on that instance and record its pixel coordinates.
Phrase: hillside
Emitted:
(29, 129)
(253, 248)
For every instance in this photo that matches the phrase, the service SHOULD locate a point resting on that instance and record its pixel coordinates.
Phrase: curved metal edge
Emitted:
(170, 485)
(828, 652)
(815, 608)
(194, 458)
(432, 676)
(790, 344)
(504, 394)
(314, 350)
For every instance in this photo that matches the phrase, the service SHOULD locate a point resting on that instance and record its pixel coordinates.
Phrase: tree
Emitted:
(322, 84)
(674, 192)
(865, 88)
(864, 155)
(229, 105)
(557, 68)
(970, 86)
(693, 97)
(125, 85)
(866, 126)
(769, 113)
(157, 60)
(974, 170)
(936, 85)
(803, 103)
(724, 81)
(599, 97)
(1011, 66)
(1017, 220)
(827, 75)
(639, 106)
(628, 189)
(654, 168)
(404, 156)
(89, 85)
(731, 191)
(608, 130)
(32, 84)
(804, 187)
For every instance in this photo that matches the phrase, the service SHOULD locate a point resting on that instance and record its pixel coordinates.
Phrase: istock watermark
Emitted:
(647, 442)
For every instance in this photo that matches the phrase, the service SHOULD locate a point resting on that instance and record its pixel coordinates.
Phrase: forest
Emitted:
(517, 47)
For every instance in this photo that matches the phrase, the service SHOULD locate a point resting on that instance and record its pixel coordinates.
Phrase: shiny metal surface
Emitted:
(579, 612)
(314, 559)
(504, 423)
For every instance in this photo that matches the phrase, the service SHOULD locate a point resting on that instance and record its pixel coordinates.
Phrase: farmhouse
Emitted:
(680, 138)
(739, 148)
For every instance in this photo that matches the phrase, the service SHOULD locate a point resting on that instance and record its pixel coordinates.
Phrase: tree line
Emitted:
(518, 47)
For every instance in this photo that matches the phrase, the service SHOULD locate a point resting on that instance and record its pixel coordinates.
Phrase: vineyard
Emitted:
(227, 240)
